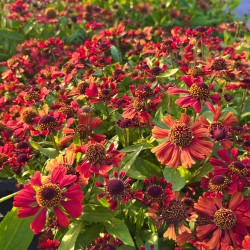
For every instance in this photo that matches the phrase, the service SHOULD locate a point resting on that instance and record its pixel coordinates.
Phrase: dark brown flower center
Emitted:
(68, 67)
(174, 213)
(27, 116)
(144, 92)
(105, 94)
(70, 169)
(219, 64)
(155, 193)
(238, 169)
(225, 219)
(218, 183)
(155, 71)
(48, 195)
(69, 111)
(215, 125)
(199, 91)
(181, 135)
(22, 158)
(115, 187)
(188, 203)
(31, 95)
(23, 145)
(96, 153)
(82, 131)
(195, 72)
(82, 86)
(139, 105)
(50, 13)
(47, 122)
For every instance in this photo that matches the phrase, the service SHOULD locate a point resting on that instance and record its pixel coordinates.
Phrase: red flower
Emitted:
(156, 193)
(198, 92)
(239, 170)
(69, 69)
(98, 160)
(184, 144)
(84, 129)
(50, 195)
(220, 130)
(229, 223)
(115, 189)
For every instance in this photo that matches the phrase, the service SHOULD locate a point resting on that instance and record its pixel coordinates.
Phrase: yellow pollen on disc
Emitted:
(48, 195)
(199, 91)
(225, 219)
(180, 135)
(96, 153)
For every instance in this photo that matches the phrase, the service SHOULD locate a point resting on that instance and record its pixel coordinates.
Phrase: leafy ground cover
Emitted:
(125, 124)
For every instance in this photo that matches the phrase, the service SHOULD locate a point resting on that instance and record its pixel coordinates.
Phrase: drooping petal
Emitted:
(159, 133)
(168, 120)
(185, 118)
(57, 174)
(186, 158)
(170, 233)
(95, 123)
(74, 193)
(27, 211)
(236, 200)
(36, 179)
(39, 222)
(62, 217)
(67, 179)
(73, 208)
(223, 154)
(234, 153)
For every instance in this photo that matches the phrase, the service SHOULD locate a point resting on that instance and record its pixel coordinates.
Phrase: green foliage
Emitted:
(13, 230)
(173, 176)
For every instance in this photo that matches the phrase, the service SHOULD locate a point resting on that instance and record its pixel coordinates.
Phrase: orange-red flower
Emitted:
(229, 222)
(185, 142)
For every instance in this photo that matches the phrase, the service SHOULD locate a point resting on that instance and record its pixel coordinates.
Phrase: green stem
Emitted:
(126, 137)
(54, 142)
(202, 50)
(242, 102)
(8, 197)
(169, 103)
(91, 190)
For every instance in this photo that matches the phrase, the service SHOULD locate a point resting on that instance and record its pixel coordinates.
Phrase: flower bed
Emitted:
(125, 125)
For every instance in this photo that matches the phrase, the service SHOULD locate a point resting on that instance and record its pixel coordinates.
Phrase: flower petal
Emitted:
(38, 223)
(62, 217)
(73, 208)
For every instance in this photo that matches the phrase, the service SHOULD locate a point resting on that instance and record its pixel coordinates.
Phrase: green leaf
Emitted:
(76, 140)
(10, 34)
(50, 152)
(142, 169)
(95, 213)
(160, 124)
(159, 114)
(168, 73)
(69, 239)
(115, 53)
(119, 229)
(234, 4)
(173, 175)
(130, 159)
(87, 237)
(13, 230)
(34, 144)
(132, 148)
